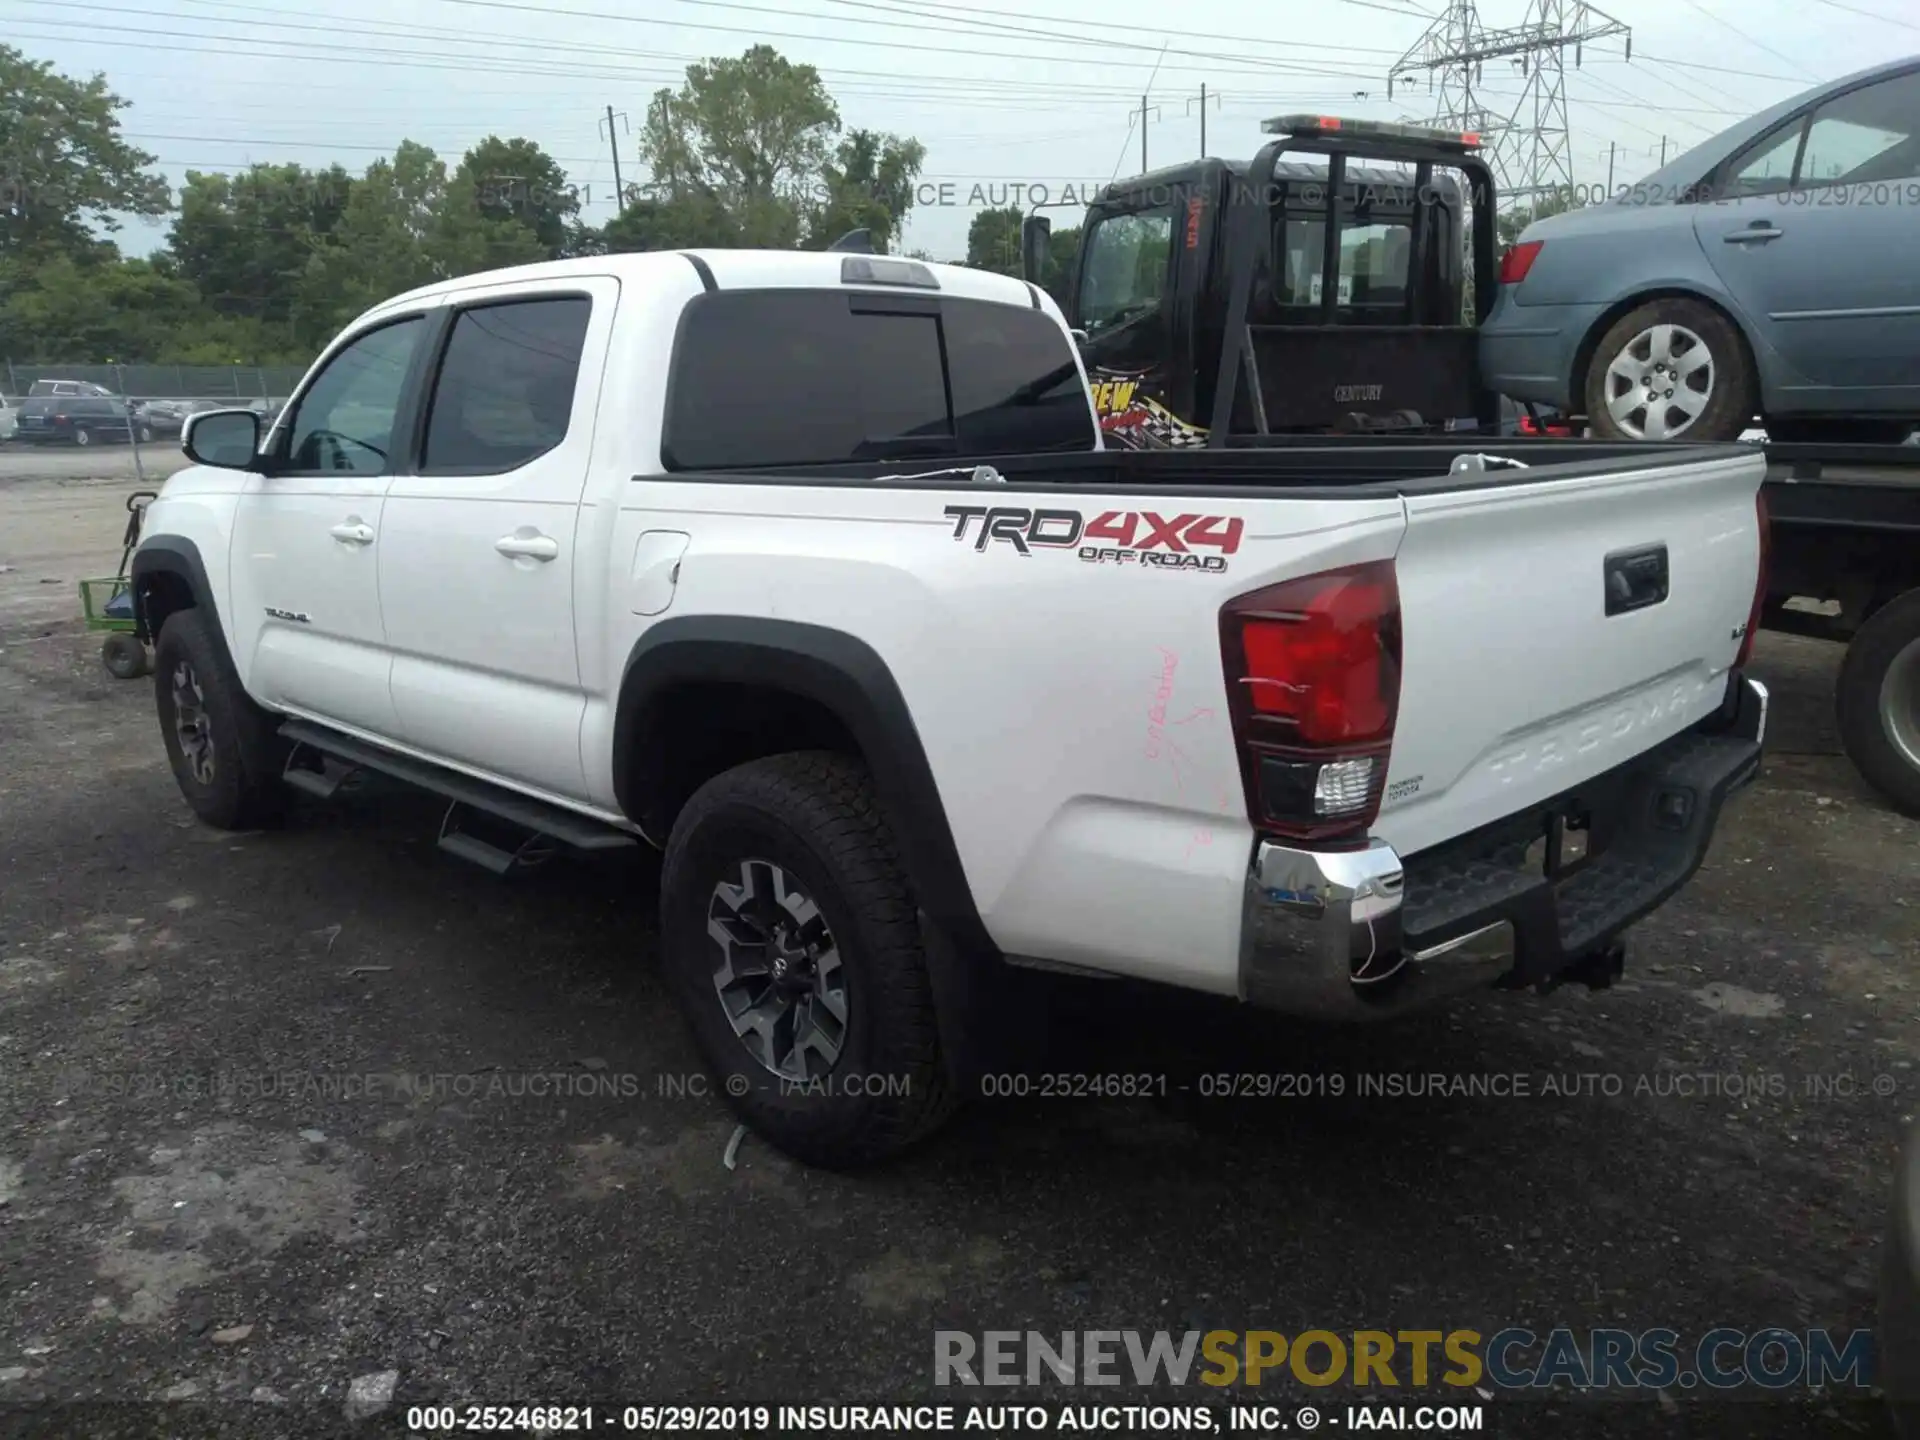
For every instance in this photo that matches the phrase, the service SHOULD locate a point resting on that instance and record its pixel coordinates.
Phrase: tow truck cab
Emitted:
(1226, 298)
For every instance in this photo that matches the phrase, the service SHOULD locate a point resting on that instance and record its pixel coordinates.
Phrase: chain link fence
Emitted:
(169, 382)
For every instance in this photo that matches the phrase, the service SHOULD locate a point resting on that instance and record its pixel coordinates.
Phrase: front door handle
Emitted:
(353, 532)
(1759, 230)
(528, 547)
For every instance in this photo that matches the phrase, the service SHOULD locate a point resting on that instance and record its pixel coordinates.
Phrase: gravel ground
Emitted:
(285, 1111)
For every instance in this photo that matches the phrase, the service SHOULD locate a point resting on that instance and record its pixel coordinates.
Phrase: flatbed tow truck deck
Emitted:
(1261, 329)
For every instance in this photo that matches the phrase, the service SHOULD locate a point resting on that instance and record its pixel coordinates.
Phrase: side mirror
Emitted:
(1036, 247)
(228, 439)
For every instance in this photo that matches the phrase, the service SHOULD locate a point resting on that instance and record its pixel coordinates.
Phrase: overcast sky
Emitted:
(1000, 94)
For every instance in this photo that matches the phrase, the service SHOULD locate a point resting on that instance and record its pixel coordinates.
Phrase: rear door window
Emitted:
(807, 377)
(504, 395)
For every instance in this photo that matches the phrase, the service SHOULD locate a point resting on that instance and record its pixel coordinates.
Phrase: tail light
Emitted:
(1518, 260)
(1313, 677)
(1760, 581)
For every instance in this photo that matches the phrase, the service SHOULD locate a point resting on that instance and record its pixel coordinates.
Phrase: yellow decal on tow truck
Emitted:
(1113, 397)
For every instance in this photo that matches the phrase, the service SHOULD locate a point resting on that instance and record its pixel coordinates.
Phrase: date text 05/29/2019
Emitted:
(911, 1420)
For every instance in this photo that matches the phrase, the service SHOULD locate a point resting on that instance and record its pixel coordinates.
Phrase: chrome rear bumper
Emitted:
(1361, 934)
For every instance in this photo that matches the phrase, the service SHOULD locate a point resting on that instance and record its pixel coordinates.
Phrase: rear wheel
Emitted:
(1671, 369)
(791, 936)
(83, 437)
(1878, 701)
(224, 749)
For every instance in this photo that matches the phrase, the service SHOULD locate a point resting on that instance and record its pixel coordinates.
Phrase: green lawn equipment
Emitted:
(107, 604)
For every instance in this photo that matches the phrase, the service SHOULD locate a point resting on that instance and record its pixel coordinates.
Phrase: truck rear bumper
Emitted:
(1364, 934)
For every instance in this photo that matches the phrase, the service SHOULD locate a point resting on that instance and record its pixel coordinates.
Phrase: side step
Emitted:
(537, 826)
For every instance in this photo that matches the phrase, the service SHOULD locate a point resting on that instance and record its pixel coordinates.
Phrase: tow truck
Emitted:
(1278, 301)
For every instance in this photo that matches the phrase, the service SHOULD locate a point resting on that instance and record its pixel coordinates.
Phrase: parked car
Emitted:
(1767, 271)
(80, 420)
(801, 658)
(67, 387)
(166, 418)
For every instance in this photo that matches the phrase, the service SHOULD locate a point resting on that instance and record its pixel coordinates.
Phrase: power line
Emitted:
(1869, 14)
(1746, 37)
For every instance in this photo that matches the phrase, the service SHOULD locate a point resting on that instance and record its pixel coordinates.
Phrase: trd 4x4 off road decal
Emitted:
(1114, 537)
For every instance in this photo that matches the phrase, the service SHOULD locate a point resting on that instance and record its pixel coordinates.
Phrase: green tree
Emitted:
(993, 243)
(868, 184)
(517, 181)
(65, 170)
(246, 239)
(993, 239)
(753, 134)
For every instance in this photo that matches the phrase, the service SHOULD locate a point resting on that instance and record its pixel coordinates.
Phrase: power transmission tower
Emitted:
(1529, 149)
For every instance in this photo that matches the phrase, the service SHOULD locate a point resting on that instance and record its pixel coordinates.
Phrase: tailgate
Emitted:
(1517, 682)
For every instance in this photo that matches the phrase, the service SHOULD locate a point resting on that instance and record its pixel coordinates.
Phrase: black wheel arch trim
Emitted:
(169, 555)
(850, 679)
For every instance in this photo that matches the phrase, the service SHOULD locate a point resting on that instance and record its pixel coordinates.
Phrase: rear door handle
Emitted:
(353, 532)
(1635, 579)
(1759, 231)
(528, 547)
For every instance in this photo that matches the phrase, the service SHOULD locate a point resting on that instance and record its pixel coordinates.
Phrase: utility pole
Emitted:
(613, 139)
(1204, 98)
(1144, 108)
(1609, 167)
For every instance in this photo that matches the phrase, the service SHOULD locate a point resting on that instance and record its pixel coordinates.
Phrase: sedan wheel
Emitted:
(1659, 383)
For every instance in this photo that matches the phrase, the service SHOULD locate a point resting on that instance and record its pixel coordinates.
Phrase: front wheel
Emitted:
(791, 937)
(1671, 369)
(1878, 701)
(224, 749)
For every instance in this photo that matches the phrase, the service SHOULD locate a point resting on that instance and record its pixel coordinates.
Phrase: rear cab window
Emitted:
(765, 378)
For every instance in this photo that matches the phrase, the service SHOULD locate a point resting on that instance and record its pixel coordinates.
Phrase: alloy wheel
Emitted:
(191, 724)
(1660, 383)
(778, 973)
(1900, 703)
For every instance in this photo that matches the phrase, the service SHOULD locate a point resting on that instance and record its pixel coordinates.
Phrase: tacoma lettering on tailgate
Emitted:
(1548, 753)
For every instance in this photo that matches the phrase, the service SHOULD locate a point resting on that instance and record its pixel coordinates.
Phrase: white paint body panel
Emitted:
(1073, 714)
(1515, 682)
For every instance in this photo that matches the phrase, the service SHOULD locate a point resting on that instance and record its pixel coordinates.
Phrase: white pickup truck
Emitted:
(810, 570)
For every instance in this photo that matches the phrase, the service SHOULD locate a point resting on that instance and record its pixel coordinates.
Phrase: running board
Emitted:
(542, 825)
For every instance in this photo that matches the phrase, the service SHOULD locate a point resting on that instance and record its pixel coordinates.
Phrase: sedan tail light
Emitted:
(1518, 260)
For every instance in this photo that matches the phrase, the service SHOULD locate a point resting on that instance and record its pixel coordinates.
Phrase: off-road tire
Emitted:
(1731, 408)
(1863, 728)
(244, 790)
(124, 656)
(816, 816)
